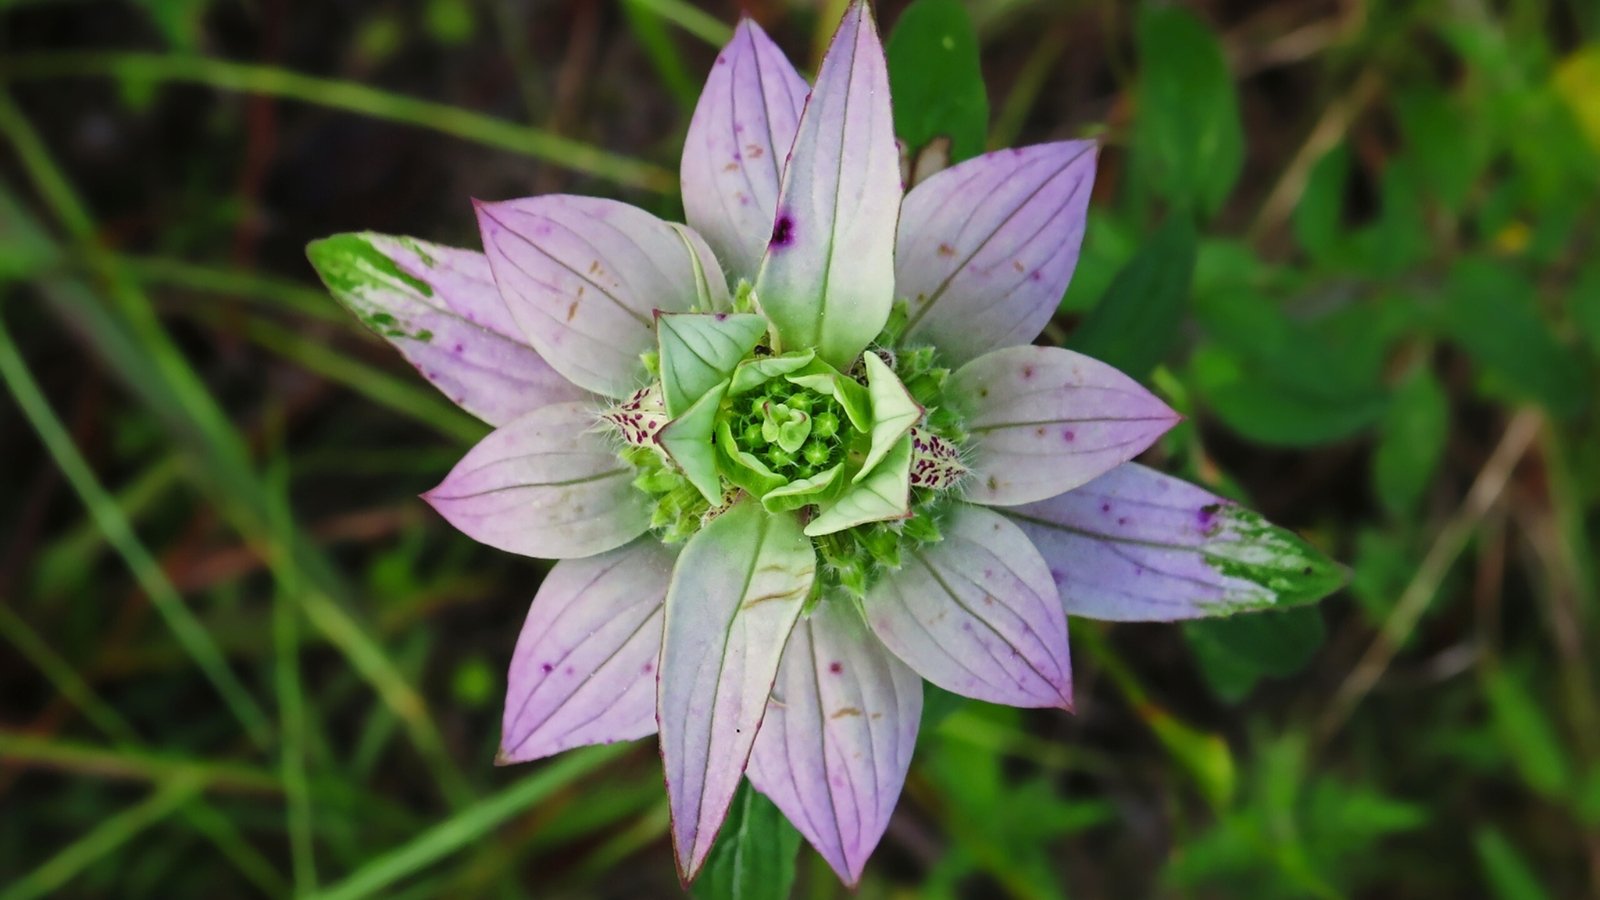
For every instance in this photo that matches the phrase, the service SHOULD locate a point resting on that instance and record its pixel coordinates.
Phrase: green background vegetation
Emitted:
(1353, 242)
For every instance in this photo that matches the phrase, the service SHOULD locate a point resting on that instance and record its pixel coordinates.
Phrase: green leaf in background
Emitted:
(1318, 220)
(450, 22)
(1491, 310)
(1509, 876)
(1586, 306)
(1248, 400)
(1138, 320)
(1399, 239)
(1524, 728)
(936, 80)
(1280, 381)
(754, 855)
(1236, 652)
(1448, 151)
(1188, 141)
(1109, 243)
(1411, 441)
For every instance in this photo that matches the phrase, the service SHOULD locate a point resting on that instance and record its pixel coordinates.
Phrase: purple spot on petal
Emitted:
(836, 667)
(783, 230)
(1105, 507)
(722, 60)
(1036, 275)
(570, 670)
(1068, 435)
(1122, 521)
(648, 668)
(547, 668)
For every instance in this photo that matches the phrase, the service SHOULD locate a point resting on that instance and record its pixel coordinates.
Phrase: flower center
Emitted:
(794, 431)
(864, 458)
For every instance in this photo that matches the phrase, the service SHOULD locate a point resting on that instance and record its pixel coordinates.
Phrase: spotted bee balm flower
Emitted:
(798, 456)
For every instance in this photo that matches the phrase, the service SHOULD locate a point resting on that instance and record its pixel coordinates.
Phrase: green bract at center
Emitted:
(856, 456)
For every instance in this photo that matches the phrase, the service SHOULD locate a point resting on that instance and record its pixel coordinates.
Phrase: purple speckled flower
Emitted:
(799, 454)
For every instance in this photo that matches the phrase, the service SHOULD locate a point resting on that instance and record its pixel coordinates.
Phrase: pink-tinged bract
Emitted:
(976, 614)
(1046, 420)
(986, 247)
(827, 280)
(546, 484)
(583, 278)
(584, 670)
(735, 596)
(738, 141)
(836, 743)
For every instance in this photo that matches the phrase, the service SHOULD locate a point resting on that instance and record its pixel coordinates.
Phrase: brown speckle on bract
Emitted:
(946, 250)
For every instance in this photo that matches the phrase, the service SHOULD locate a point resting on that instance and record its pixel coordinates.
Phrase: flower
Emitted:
(799, 455)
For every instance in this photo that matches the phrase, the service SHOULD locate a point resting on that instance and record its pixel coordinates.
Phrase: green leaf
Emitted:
(1280, 381)
(742, 468)
(1491, 310)
(1136, 324)
(1318, 220)
(687, 439)
(1586, 306)
(1411, 441)
(936, 80)
(1525, 730)
(755, 853)
(1247, 397)
(804, 491)
(1508, 874)
(1188, 142)
(883, 495)
(753, 373)
(1448, 148)
(826, 380)
(893, 412)
(699, 350)
(1236, 652)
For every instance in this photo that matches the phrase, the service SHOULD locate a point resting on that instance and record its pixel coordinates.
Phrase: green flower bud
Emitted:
(825, 425)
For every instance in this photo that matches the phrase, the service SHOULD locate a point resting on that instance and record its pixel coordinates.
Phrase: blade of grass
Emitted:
(63, 676)
(464, 828)
(292, 720)
(220, 830)
(651, 33)
(104, 839)
(103, 507)
(274, 293)
(148, 68)
(133, 764)
(209, 823)
(74, 553)
(697, 22)
(133, 343)
(404, 397)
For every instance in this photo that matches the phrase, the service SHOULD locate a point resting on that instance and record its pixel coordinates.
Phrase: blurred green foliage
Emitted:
(1353, 243)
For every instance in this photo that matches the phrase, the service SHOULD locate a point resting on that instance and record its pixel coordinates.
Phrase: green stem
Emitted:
(350, 97)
